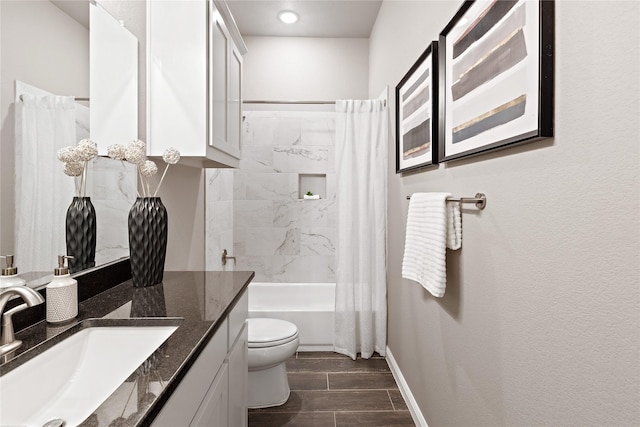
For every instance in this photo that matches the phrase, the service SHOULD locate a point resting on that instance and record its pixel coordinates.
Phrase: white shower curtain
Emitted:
(361, 175)
(44, 124)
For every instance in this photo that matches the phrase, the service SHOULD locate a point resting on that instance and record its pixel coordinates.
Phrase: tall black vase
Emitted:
(147, 241)
(81, 234)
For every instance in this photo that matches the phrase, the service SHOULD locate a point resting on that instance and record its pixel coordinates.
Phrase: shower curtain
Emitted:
(361, 197)
(44, 124)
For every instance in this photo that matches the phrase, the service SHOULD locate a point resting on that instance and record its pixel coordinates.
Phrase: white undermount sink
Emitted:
(74, 377)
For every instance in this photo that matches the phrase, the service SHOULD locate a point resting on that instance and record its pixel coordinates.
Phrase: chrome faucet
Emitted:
(8, 342)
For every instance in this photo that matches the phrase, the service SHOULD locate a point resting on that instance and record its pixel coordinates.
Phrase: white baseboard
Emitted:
(414, 410)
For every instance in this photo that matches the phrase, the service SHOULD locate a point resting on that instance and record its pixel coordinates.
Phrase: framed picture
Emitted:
(496, 60)
(417, 113)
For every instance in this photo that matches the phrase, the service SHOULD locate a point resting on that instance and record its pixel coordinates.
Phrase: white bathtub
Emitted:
(310, 306)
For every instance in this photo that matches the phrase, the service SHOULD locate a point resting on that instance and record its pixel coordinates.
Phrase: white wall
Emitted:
(44, 47)
(305, 68)
(540, 321)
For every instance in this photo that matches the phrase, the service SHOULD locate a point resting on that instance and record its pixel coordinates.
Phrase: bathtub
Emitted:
(310, 306)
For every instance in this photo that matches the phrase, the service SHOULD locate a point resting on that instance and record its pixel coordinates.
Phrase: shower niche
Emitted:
(315, 183)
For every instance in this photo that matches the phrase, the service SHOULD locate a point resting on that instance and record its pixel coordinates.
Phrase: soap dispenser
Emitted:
(62, 294)
(9, 276)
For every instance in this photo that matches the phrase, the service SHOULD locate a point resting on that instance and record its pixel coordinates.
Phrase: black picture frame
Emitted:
(501, 55)
(417, 99)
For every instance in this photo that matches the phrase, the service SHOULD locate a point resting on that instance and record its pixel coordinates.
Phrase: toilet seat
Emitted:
(266, 332)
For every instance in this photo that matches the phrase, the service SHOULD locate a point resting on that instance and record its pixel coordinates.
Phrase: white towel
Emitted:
(432, 226)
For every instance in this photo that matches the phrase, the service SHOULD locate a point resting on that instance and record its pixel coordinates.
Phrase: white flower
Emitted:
(87, 150)
(67, 154)
(148, 168)
(73, 168)
(116, 152)
(171, 156)
(140, 144)
(135, 154)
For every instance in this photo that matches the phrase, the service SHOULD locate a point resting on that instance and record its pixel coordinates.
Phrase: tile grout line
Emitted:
(391, 400)
(359, 373)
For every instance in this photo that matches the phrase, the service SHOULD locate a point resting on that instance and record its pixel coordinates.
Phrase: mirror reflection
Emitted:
(47, 102)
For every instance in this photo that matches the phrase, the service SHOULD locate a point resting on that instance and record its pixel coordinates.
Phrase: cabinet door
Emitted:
(214, 409)
(185, 403)
(218, 70)
(238, 380)
(234, 114)
(220, 46)
(113, 80)
(177, 93)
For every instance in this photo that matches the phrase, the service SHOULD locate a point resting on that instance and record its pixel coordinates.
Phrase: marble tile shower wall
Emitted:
(276, 233)
(218, 217)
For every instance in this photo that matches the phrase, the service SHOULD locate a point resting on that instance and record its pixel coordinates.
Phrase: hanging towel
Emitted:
(432, 226)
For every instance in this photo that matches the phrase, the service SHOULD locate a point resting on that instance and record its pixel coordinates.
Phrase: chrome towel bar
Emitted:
(480, 200)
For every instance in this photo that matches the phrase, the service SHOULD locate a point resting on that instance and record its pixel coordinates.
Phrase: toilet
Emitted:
(271, 343)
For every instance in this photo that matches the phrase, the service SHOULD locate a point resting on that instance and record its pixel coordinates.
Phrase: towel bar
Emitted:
(480, 200)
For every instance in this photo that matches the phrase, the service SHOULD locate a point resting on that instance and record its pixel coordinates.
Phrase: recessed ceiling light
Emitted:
(288, 17)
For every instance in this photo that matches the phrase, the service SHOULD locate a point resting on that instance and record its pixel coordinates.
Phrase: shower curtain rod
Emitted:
(74, 98)
(287, 102)
(293, 102)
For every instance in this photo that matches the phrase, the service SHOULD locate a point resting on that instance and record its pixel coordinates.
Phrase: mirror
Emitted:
(46, 51)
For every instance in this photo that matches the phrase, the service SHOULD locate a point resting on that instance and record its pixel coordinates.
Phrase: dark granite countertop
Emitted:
(200, 299)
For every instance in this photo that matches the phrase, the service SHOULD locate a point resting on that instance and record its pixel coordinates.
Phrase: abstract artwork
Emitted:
(496, 59)
(417, 113)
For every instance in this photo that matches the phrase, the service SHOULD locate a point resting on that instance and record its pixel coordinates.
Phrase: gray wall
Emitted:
(540, 321)
(305, 68)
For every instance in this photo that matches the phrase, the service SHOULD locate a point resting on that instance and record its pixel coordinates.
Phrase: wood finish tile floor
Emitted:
(331, 390)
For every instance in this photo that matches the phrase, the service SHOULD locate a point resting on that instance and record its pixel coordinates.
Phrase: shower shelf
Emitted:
(315, 183)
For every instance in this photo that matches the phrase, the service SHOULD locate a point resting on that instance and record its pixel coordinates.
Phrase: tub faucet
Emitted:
(8, 342)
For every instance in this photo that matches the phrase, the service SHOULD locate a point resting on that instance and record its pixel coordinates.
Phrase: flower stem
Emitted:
(83, 183)
(141, 181)
(161, 179)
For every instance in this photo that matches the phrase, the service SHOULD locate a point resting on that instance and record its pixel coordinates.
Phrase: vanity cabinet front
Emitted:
(214, 392)
(194, 96)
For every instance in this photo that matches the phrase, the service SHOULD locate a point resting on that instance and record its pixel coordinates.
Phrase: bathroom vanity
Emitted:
(214, 390)
(198, 376)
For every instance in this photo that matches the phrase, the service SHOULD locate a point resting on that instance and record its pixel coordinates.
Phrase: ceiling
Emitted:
(318, 18)
(78, 10)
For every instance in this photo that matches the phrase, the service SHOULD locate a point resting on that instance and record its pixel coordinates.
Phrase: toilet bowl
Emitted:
(271, 343)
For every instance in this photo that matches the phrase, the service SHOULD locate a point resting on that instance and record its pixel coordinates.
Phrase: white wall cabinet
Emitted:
(113, 80)
(215, 390)
(194, 80)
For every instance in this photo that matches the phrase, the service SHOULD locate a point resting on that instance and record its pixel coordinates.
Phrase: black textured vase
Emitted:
(147, 241)
(148, 302)
(81, 234)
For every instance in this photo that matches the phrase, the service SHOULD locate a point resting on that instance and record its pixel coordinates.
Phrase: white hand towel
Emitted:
(432, 226)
